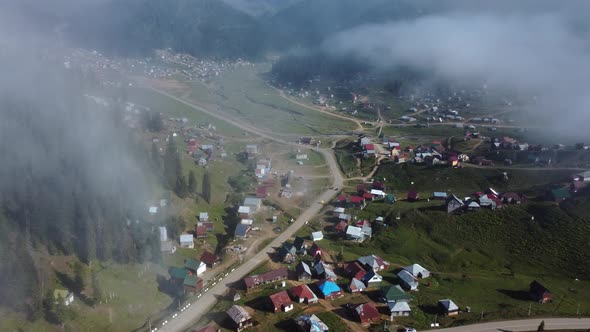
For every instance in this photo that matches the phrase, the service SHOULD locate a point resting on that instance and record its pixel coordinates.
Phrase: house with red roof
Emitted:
(366, 313)
(357, 201)
(263, 278)
(341, 200)
(314, 250)
(413, 195)
(211, 260)
(201, 232)
(341, 226)
(281, 302)
(303, 294)
(355, 270)
(262, 191)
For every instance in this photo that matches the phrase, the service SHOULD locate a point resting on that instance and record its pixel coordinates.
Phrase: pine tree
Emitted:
(172, 167)
(180, 188)
(79, 274)
(192, 182)
(207, 187)
(96, 290)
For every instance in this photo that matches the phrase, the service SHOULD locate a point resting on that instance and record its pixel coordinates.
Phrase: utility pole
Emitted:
(481, 318)
(530, 307)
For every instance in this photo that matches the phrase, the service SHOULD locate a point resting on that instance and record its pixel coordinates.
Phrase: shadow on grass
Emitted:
(430, 309)
(515, 294)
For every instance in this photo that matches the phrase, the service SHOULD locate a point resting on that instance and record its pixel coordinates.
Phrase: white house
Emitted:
(153, 210)
(398, 308)
(379, 193)
(244, 212)
(247, 222)
(316, 236)
(355, 233)
(301, 157)
(203, 216)
(254, 203)
(186, 241)
(417, 271)
(408, 280)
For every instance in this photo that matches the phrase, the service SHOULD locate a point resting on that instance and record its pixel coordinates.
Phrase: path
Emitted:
(317, 109)
(523, 325)
(202, 305)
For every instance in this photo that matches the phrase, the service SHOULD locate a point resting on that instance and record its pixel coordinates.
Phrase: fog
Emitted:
(542, 53)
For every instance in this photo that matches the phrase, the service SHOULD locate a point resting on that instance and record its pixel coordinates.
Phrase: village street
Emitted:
(523, 325)
(208, 298)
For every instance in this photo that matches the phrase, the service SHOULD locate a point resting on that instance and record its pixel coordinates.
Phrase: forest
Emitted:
(72, 181)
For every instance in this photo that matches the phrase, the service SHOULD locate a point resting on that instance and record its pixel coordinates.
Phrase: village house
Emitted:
(303, 294)
(341, 226)
(413, 196)
(253, 203)
(281, 302)
(317, 236)
(242, 231)
(194, 266)
(398, 309)
(267, 277)
(338, 211)
(66, 297)
(539, 293)
(355, 233)
(372, 279)
(374, 263)
(240, 318)
(439, 195)
(448, 307)
(303, 271)
(247, 222)
(417, 271)
(344, 217)
(244, 212)
(314, 250)
(357, 202)
(356, 286)
(203, 216)
(325, 271)
(187, 241)
(251, 151)
(355, 270)
(210, 260)
(192, 284)
(514, 198)
(407, 280)
(310, 323)
(454, 204)
(365, 313)
(558, 195)
(287, 253)
(329, 289)
(300, 245)
(394, 293)
(261, 191)
(200, 231)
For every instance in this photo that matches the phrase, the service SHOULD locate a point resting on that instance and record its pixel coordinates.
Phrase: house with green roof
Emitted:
(195, 266)
(178, 273)
(192, 284)
(559, 194)
(63, 295)
(394, 293)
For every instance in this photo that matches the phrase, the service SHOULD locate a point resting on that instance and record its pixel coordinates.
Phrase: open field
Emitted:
(242, 93)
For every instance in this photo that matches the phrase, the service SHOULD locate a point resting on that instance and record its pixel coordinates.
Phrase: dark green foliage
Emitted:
(172, 166)
(541, 326)
(192, 182)
(241, 182)
(175, 226)
(97, 292)
(79, 276)
(71, 181)
(181, 188)
(207, 187)
(152, 121)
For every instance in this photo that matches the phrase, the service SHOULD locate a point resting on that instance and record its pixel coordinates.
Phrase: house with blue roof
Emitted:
(329, 289)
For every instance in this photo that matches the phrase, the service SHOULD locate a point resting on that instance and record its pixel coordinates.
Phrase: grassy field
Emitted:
(244, 94)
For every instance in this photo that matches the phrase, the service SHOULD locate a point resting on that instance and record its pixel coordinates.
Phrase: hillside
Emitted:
(198, 27)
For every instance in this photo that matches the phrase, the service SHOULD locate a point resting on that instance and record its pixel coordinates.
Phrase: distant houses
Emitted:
(187, 241)
(281, 302)
(303, 294)
(310, 323)
(448, 307)
(365, 313)
(239, 317)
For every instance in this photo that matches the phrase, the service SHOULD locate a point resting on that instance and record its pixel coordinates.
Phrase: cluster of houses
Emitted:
(367, 146)
(490, 199)
(363, 273)
(189, 276)
(578, 183)
(250, 206)
(241, 319)
(436, 154)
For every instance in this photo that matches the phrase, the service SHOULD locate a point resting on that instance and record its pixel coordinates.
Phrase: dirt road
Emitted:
(523, 325)
(202, 305)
